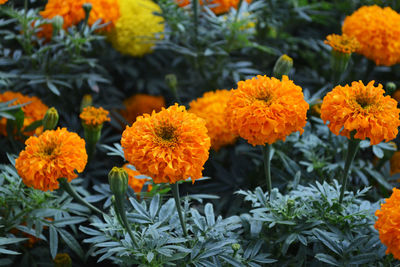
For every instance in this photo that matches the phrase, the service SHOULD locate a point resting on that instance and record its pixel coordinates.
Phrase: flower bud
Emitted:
(87, 100)
(118, 180)
(87, 7)
(235, 246)
(50, 119)
(62, 260)
(339, 61)
(283, 66)
(58, 22)
(390, 88)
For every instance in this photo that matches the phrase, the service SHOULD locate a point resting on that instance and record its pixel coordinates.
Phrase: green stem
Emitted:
(120, 210)
(175, 193)
(267, 167)
(351, 153)
(67, 187)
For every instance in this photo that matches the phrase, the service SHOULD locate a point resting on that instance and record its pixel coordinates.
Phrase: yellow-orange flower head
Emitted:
(54, 154)
(361, 108)
(94, 117)
(3, 2)
(33, 111)
(212, 108)
(72, 13)
(169, 146)
(342, 43)
(378, 32)
(217, 6)
(139, 104)
(138, 28)
(263, 110)
(135, 183)
(388, 223)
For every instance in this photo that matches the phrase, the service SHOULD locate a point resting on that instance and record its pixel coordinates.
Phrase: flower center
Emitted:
(264, 96)
(49, 150)
(365, 101)
(166, 132)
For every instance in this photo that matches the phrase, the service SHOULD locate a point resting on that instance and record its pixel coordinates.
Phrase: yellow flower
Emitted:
(33, 111)
(263, 110)
(219, 6)
(169, 146)
(388, 223)
(212, 108)
(378, 32)
(342, 43)
(139, 104)
(94, 117)
(54, 154)
(72, 13)
(138, 28)
(135, 183)
(361, 108)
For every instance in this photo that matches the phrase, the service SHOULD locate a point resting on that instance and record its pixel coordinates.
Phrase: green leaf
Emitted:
(71, 242)
(327, 259)
(53, 241)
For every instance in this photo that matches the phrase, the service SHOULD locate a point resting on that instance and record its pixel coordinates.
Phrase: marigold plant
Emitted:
(342, 43)
(363, 109)
(135, 32)
(388, 223)
(263, 110)
(139, 104)
(217, 6)
(94, 117)
(212, 108)
(72, 13)
(135, 183)
(54, 154)
(169, 146)
(377, 30)
(33, 111)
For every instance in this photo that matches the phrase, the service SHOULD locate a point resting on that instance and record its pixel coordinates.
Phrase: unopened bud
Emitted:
(235, 247)
(87, 7)
(87, 100)
(50, 119)
(118, 180)
(390, 88)
(58, 22)
(283, 66)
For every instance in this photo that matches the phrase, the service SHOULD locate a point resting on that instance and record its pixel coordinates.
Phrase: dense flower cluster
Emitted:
(378, 32)
(135, 183)
(263, 110)
(139, 104)
(54, 154)
(169, 146)
(342, 43)
(72, 13)
(388, 223)
(361, 108)
(136, 30)
(217, 6)
(94, 117)
(33, 111)
(212, 108)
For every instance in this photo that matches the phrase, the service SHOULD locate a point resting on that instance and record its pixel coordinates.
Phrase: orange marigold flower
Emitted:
(52, 155)
(342, 43)
(135, 183)
(169, 146)
(72, 12)
(94, 117)
(217, 6)
(396, 95)
(388, 223)
(361, 108)
(378, 32)
(263, 110)
(139, 104)
(33, 111)
(3, 2)
(212, 108)
(395, 163)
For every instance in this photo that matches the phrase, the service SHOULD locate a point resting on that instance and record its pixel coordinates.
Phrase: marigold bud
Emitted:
(50, 119)
(339, 61)
(62, 260)
(87, 100)
(118, 180)
(87, 7)
(283, 66)
(235, 247)
(58, 22)
(390, 88)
